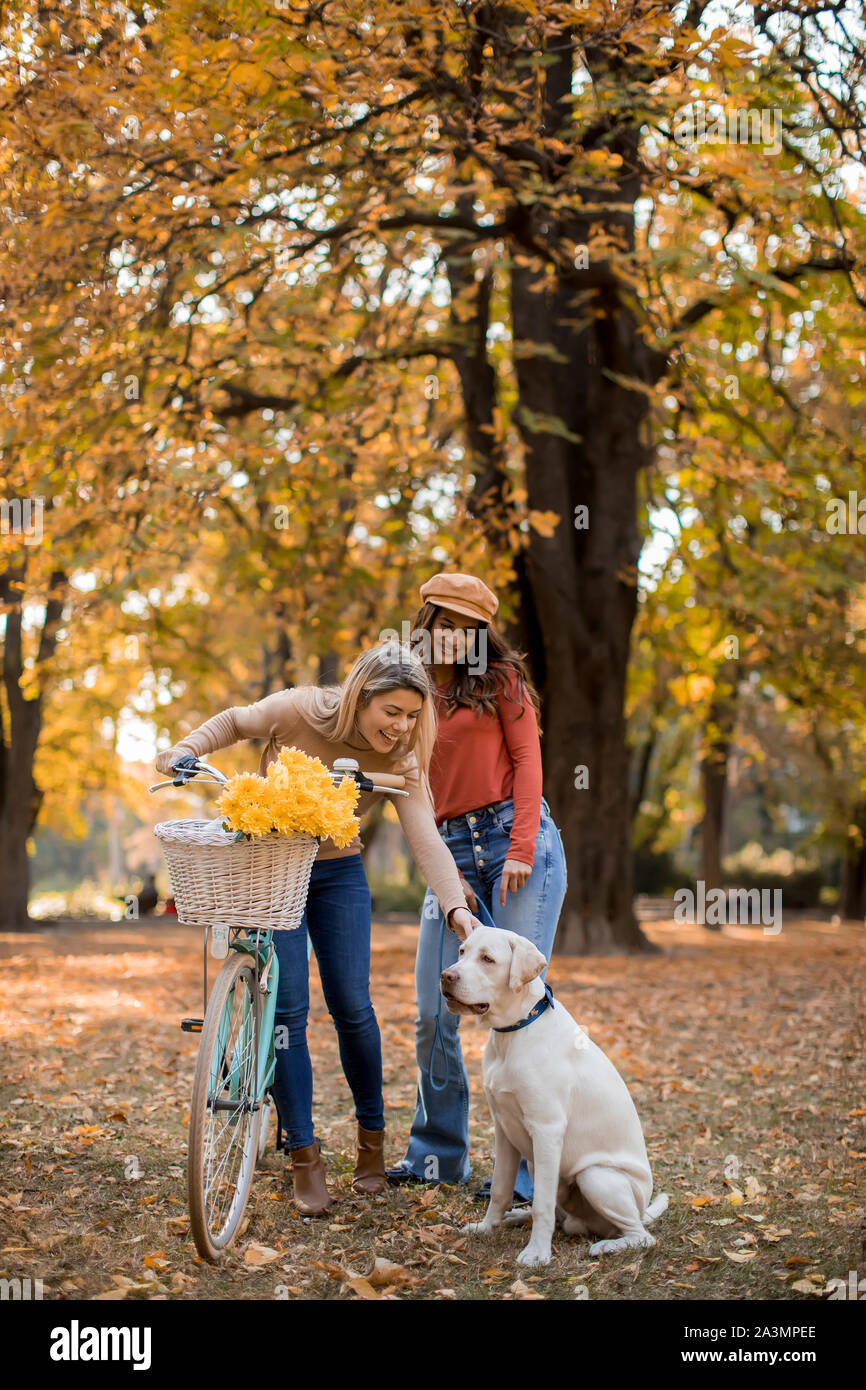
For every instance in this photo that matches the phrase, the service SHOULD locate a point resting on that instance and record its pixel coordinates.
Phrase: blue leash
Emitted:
(483, 916)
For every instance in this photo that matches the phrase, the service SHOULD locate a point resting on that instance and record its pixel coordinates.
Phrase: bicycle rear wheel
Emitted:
(224, 1116)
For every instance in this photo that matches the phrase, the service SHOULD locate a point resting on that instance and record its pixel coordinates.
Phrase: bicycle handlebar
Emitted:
(369, 781)
(385, 779)
(217, 777)
(343, 767)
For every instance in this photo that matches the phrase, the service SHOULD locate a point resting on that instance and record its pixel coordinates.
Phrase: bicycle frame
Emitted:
(267, 969)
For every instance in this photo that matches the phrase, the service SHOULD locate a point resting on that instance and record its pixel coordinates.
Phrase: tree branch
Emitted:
(828, 266)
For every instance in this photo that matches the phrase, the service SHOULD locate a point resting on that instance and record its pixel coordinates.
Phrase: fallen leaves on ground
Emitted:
(259, 1254)
(743, 1054)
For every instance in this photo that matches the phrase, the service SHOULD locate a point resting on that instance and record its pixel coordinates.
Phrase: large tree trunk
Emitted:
(582, 592)
(587, 451)
(577, 587)
(583, 416)
(20, 801)
(20, 798)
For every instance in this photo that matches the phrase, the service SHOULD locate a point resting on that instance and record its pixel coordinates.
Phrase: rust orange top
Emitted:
(482, 758)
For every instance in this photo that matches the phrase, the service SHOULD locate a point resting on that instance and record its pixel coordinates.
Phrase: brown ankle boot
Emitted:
(310, 1193)
(369, 1174)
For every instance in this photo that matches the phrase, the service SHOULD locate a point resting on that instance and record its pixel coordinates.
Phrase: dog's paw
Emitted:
(609, 1247)
(534, 1255)
(518, 1216)
(477, 1228)
(604, 1247)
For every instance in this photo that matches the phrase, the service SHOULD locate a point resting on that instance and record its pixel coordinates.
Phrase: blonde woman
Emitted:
(383, 717)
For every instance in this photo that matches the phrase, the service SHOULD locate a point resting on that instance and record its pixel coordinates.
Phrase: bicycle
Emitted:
(232, 1095)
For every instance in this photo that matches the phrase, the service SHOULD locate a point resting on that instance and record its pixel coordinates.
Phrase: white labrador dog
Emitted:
(555, 1097)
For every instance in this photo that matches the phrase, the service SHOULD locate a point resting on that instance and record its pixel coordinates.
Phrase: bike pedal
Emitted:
(192, 1025)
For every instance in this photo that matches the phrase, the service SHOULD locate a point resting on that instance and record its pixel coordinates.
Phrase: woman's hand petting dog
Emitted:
(461, 922)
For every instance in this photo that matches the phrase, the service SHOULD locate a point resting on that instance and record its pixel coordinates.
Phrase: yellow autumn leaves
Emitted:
(296, 797)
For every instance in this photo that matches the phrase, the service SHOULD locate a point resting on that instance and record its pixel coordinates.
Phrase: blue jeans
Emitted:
(439, 1139)
(337, 917)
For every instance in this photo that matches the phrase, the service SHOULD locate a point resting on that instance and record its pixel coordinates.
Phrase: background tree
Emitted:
(272, 225)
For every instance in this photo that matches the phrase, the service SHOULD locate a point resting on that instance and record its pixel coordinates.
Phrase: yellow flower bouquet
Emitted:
(297, 796)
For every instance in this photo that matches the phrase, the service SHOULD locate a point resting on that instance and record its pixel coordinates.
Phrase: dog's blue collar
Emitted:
(545, 1003)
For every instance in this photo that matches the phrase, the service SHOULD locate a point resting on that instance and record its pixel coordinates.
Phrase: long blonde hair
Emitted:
(333, 709)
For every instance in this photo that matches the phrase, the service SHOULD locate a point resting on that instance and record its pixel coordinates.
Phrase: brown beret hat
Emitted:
(462, 592)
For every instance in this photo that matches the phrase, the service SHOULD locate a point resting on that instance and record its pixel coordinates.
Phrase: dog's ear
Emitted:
(526, 963)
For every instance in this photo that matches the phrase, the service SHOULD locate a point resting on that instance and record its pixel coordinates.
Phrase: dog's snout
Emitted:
(448, 977)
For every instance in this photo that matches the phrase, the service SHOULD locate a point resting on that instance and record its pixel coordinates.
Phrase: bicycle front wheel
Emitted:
(225, 1115)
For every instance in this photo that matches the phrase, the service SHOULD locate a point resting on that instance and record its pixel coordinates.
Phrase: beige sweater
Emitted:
(280, 718)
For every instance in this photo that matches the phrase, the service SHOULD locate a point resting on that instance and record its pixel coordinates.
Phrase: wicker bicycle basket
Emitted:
(219, 881)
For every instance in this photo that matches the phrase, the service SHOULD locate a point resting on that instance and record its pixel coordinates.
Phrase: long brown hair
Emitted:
(478, 691)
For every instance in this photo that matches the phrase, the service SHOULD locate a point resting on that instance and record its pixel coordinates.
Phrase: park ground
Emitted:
(743, 1051)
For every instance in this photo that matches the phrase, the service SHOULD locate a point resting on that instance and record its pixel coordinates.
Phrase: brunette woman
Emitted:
(486, 779)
